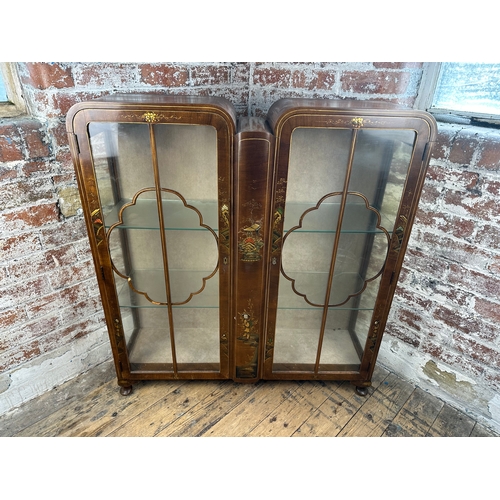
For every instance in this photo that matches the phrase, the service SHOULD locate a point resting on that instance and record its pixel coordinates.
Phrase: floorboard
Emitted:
(451, 423)
(91, 405)
(416, 417)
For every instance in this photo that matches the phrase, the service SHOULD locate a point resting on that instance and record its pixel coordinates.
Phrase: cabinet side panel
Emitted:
(88, 186)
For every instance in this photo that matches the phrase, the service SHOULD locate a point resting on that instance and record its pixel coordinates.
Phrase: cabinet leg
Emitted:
(362, 391)
(125, 390)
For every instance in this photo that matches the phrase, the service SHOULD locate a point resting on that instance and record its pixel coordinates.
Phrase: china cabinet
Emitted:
(263, 249)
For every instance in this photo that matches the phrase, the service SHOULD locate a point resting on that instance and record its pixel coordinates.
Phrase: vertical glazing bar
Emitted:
(335, 247)
(163, 243)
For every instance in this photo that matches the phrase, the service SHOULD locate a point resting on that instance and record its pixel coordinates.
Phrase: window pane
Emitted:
(3, 90)
(469, 87)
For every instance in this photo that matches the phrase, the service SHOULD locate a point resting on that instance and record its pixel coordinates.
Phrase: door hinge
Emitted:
(426, 148)
(76, 143)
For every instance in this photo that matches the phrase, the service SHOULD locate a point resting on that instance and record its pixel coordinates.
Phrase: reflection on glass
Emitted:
(167, 279)
(335, 244)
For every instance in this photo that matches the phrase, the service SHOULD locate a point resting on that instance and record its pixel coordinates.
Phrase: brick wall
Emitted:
(443, 324)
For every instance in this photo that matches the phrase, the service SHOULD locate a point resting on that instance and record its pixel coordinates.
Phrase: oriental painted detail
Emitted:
(251, 243)
(247, 344)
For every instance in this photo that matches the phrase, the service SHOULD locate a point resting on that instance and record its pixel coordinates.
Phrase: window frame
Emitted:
(16, 105)
(425, 99)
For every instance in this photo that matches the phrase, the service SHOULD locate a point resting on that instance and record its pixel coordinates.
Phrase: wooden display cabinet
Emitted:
(271, 250)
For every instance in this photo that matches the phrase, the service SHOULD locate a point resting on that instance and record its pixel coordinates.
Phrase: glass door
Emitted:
(336, 204)
(158, 190)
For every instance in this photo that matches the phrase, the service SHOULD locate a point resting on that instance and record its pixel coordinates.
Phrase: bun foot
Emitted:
(362, 391)
(126, 390)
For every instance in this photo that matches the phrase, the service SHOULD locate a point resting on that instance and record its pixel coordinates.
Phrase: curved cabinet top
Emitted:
(307, 112)
(158, 103)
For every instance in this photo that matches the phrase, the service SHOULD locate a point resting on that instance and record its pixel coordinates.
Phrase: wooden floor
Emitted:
(91, 405)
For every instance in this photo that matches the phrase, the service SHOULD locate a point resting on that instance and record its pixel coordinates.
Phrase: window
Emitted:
(467, 92)
(3, 90)
(11, 100)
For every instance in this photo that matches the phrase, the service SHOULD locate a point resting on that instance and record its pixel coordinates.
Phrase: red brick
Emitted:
(30, 217)
(441, 221)
(463, 321)
(83, 250)
(490, 155)
(430, 194)
(70, 275)
(83, 309)
(31, 131)
(11, 317)
(7, 173)
(488, 236)
(410, 297)
(480, 207)
(436, 173)
(65, 160)
(465, 180)
(38, 168)
(47, 75)
(19, 245)
(24, 192)
(435, 267)
(409, 337)
(69, 231)
(323, 80)
(164, 75)
(490, 311)
(299, 80)
(106, 74)
(10, 144)
(48, 302)
(492, 377)
(240, 73)
(454, 250)
(479, 283)
(494, 265)
(272, 76)
(410, 318)
(60, 103)
(21, 292)
(375, 82)
(29, 331)
(464, 147)
(397, 65)
(58, 132)
(492, 187)
(65, 179)
(46, 343)
(477, 350)
(44, 262)
(15, 357)
(444, 140)
(210, 75)
(78, 330)
(453, 359)
(267, 96)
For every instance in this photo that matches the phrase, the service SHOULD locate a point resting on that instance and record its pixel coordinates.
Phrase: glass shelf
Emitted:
(357, 218)
(182, 284)
(313, 285)
(144, 215)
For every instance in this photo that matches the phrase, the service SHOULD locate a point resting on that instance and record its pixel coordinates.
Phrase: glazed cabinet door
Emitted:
(346, 188)
(156, 188)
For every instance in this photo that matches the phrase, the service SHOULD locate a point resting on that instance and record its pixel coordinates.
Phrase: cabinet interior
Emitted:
(169, 173)
(342, 198)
